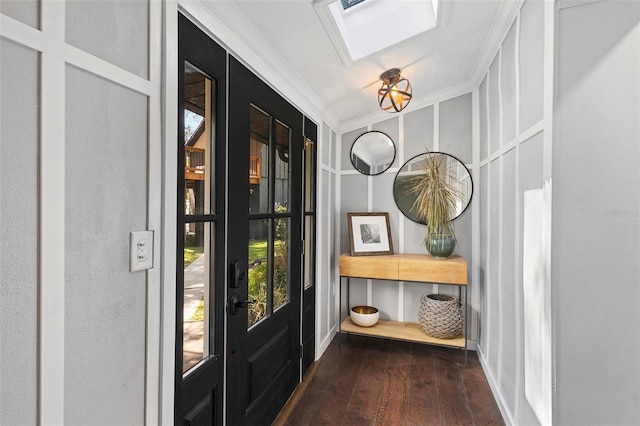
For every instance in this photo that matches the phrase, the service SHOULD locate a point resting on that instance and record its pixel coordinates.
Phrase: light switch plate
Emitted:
(140, 251)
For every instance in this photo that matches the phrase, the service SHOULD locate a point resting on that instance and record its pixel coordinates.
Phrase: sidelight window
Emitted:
(309, 213)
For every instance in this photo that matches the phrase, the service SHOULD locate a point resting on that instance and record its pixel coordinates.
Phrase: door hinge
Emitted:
(302, 241)
(301, 348)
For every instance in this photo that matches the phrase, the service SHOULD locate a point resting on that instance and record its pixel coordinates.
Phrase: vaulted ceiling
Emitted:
(454, 54)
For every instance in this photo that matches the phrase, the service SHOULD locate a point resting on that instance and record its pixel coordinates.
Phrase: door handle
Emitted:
(235, 303)
(237, 274)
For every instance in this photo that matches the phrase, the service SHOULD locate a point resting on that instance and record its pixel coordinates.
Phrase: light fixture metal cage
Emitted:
(395, 93)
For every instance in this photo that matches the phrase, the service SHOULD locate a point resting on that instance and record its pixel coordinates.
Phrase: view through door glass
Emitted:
(269, 215)
(309, 254)
(198, 192)
(309, 213)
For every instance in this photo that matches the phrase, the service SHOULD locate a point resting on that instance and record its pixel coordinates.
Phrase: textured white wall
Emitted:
(18, 233)
(596, 214)
(25, 11)
(115, 31)
(106, 198)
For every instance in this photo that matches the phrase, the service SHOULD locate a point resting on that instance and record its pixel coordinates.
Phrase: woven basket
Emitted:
(440, 316)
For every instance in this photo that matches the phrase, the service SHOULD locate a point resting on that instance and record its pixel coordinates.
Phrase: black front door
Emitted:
(200, 229)
(264, 249)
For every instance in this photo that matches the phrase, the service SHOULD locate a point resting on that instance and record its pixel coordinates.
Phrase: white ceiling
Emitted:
(454, 54)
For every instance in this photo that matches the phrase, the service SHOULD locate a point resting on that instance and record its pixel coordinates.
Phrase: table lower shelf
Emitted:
(408, 331)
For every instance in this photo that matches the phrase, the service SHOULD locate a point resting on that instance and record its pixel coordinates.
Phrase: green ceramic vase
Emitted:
(441, 247)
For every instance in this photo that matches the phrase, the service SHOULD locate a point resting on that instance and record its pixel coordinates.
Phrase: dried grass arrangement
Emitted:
(435, 204)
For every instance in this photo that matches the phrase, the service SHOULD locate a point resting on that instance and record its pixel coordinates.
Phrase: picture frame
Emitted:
(369, 234)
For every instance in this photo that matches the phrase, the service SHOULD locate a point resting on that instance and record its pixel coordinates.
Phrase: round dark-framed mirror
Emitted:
(452, 169)
(373, 153)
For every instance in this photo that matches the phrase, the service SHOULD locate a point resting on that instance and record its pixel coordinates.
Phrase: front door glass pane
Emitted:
(259, 255)
(309, 255)
(198, 256)
(197, 296)
(259, 161)
(281, 263)
(309, 184)
(282, 189)
(309, 213)
(198, 131)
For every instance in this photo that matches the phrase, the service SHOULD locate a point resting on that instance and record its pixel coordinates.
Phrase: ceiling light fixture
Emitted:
(395, 93)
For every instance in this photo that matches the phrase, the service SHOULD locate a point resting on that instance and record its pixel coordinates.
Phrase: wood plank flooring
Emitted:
(368, 381)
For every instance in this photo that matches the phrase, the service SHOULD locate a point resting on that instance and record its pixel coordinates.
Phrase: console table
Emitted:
(405, 267)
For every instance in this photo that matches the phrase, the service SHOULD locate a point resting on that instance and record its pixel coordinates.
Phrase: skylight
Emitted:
(357, 32)
(346, 4)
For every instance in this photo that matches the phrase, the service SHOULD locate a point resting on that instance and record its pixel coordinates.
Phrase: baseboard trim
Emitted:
(284, 414)
(507, 416)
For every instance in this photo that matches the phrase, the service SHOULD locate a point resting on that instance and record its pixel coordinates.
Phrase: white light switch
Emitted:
(141, 251)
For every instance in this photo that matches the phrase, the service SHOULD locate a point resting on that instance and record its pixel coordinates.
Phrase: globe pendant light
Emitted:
(395, 93)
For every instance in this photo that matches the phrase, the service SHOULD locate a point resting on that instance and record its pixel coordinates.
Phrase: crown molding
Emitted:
(415, 104)
(263, 59)
(502, 22)
(321, 7)
(260, 57)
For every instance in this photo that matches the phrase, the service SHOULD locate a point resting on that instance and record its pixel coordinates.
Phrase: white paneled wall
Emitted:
(80, 111)
(19, 233)
(512, 125)
(444, 125)
(560, 101)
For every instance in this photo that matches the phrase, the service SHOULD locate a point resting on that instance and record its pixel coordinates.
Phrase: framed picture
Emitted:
(369, 234)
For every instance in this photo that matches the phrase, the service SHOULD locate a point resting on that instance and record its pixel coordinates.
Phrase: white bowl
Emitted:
(364, 316)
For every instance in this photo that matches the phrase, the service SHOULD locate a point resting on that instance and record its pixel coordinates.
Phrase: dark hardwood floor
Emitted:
(369, 381)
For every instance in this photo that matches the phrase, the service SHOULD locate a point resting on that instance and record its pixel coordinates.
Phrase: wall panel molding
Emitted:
(56, 54)
(52, 215)
(401, 296)
(498, 352)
